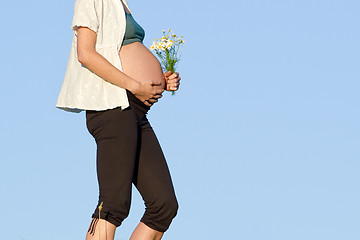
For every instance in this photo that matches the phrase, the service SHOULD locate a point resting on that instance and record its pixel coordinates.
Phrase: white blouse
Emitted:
(82, 89)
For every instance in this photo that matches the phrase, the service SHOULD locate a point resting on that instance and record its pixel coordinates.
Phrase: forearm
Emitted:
(99, 65)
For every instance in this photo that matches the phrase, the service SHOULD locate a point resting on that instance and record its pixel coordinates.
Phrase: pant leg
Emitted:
(153, 180)
(116, 135)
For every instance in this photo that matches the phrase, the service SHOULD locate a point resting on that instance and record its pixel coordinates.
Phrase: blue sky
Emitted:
(262, 138)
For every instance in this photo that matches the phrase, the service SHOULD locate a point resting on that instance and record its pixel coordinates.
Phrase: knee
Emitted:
(173, 207)
(168, 208)
(160, 213)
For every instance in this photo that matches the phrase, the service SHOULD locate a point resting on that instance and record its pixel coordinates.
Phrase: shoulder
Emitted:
(88, 4)
(92, 7)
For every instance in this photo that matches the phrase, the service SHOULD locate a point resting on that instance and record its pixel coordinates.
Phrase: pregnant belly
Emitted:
(139, 63)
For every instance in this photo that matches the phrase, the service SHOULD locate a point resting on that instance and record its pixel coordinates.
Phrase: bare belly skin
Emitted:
(139, 63)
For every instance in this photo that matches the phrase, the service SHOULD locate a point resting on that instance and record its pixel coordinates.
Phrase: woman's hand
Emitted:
(172, 81)
(147, 91)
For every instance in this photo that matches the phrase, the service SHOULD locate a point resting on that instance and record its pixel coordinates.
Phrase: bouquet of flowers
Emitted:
(167, 50)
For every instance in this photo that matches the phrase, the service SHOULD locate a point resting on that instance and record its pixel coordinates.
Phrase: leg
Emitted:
(104, 230)
(143, 232)
(116, 136)
(152, 179)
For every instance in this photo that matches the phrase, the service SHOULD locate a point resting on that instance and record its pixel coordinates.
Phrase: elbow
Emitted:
(84, 56)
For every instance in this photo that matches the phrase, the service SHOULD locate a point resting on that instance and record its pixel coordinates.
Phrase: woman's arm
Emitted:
(95, 62)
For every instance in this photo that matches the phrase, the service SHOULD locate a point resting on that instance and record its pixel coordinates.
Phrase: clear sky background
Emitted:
(262, 138)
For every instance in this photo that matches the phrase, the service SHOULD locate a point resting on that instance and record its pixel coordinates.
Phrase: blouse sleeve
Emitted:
(85, 15)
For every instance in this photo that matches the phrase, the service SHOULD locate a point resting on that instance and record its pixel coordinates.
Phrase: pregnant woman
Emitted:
(116, 79)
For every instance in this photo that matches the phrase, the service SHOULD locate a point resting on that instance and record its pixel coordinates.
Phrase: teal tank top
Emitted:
(134, 32)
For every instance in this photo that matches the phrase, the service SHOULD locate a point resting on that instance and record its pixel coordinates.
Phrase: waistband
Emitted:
(134, 100)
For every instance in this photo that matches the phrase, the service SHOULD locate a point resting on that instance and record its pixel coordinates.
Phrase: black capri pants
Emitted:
(128, 152)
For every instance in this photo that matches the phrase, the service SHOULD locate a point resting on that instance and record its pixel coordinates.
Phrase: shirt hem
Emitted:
(78, 110)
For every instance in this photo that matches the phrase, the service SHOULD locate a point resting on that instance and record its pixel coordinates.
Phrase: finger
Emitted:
(176, 87)
(157, 96)
(147, 104)
(175, 74)
(158, 91)
(167, 74)
(172, 81)
(152, 100)
(156, 83)
(169, 86)
(172, 86)
(177, 79)
(175, 84)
